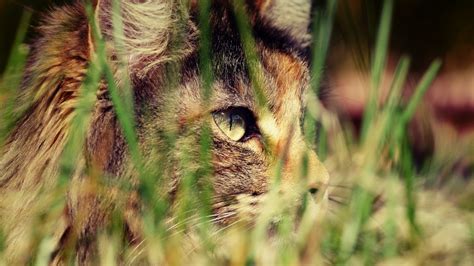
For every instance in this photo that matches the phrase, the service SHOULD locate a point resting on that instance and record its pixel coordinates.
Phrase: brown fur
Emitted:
(30, 158)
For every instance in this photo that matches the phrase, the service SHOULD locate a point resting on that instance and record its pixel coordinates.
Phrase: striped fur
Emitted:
(160, 45)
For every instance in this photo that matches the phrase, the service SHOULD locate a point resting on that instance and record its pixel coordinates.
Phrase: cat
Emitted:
(160, 46)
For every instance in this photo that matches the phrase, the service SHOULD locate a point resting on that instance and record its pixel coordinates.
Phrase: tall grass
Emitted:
(11, 78)
(375, 168)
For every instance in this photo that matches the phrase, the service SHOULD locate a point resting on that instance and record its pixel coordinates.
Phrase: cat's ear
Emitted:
(146, 32)
(292, 16)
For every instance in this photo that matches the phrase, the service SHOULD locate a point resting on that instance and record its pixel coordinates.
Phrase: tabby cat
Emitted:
(160, 45)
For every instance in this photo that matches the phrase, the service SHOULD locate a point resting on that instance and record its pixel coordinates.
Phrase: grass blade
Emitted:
(420, 90)
(378, 65)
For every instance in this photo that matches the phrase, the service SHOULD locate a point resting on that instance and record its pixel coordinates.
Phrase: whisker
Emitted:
(137, 250)
(340, 186)
(223, 216)
(339, 197)
(194, 217)
(341, 202)
(217, 218)
(184, 221)
(214, 234)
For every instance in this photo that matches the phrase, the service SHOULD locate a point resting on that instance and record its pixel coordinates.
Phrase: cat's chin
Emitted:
(263, 210)
(272, 221)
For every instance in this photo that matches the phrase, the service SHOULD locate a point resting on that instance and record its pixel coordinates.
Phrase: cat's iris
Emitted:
(237, 123)
(231, 123)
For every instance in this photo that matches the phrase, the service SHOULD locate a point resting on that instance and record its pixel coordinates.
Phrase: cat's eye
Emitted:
(236, 123)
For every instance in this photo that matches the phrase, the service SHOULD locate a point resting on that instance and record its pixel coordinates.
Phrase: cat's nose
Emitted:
(317, 178)
(313, 189)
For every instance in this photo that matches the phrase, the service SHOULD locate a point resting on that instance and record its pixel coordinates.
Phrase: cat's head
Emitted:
(254, 115)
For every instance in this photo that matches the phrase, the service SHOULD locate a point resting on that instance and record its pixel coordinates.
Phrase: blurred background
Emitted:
(421, 29)
(443, 128)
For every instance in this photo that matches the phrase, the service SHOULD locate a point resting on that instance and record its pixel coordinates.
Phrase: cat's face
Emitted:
(251, 140)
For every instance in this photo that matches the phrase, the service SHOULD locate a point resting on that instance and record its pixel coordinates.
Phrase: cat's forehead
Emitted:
(266, 28)
(281, 79)
(281, 57)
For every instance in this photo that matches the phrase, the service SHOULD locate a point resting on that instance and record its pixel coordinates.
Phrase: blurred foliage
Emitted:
(415, 226)
(10, 18)
(423, 29)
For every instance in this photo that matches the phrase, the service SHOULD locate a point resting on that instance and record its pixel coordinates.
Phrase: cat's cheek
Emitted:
(256, 145)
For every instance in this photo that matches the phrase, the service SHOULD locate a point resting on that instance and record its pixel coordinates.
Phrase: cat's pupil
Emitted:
(235, 118)
(232, 123)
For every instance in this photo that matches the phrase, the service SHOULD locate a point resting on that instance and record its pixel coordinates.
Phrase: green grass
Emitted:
(415, 226)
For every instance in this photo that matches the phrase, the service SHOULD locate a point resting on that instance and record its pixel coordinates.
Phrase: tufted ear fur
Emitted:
(292, 16)
(150, 34)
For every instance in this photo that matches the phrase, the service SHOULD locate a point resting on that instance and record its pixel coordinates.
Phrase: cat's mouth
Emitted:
(267, 208)
(239, 208)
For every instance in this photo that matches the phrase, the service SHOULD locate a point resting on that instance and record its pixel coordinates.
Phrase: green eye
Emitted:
(233, 123)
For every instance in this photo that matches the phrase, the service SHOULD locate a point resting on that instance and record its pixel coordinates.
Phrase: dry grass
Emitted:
(382, 210)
